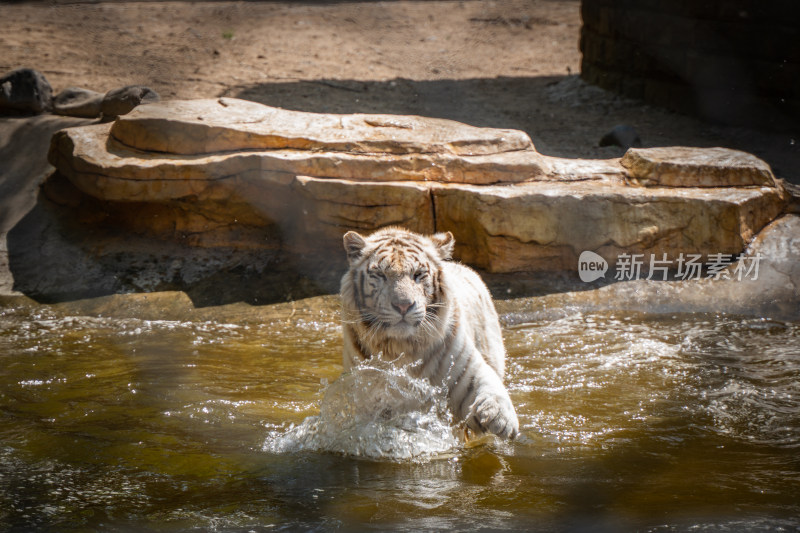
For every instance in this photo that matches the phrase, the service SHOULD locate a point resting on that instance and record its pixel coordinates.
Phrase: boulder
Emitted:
(123, 100)
(680, 166)
(217, 170)
(77, 102)
(533, 227)
(25, 90)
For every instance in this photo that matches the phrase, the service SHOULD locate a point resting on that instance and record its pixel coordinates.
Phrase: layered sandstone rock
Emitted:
(210, 169)
(768, 287)
(535, 227)
(681, 166)
(225, 124)
(262, 140)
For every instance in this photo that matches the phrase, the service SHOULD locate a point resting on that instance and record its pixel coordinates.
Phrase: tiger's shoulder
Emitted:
(475, 312)
(465, 284)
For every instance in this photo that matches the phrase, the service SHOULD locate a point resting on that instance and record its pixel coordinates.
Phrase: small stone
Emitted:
(25, 90)
(122, 101)
(77, 102)
(623, 136)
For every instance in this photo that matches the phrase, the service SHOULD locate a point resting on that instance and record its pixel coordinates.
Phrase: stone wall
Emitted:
(730, 61)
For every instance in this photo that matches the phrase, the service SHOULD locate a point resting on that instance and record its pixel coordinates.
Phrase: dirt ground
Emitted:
(509, 64)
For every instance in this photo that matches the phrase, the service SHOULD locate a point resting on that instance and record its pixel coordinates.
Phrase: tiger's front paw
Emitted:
(493, 413)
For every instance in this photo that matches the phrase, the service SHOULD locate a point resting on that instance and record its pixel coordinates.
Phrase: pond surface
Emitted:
(629, 422)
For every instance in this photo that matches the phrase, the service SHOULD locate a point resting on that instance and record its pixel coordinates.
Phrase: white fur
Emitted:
(452, 336)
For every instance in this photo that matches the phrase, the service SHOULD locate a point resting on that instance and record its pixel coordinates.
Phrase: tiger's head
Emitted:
(394, 284)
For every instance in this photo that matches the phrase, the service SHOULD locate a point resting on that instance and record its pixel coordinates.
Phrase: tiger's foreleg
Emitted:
(482, 401)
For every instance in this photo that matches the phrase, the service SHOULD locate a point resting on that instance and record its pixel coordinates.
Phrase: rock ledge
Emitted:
(227, 172)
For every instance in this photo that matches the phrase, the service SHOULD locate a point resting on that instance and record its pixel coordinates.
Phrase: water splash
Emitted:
(377, 411)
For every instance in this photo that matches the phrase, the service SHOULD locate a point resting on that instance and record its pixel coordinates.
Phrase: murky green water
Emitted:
(630, 422)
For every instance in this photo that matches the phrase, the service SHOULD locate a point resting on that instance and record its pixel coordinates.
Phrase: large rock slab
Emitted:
(209, 171)
(681, 166)
(533, 226)
(101, 167)
(224, 124)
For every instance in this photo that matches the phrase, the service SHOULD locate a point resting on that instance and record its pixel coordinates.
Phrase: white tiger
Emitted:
(404, 298)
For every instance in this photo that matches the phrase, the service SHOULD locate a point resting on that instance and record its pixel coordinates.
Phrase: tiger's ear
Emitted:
(444, 242)
(353, 244)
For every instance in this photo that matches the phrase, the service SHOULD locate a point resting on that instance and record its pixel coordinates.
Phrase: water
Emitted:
(629, 422)
(377, 411)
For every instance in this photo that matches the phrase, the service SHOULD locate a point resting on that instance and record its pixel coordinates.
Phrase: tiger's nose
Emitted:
(403, 306)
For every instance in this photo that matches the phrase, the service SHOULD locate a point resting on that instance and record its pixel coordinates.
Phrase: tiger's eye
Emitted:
(377, 273)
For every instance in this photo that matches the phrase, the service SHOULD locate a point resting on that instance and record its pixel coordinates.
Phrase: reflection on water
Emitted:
(629, 422)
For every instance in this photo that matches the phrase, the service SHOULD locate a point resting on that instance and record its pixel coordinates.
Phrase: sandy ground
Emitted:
(509, 64)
